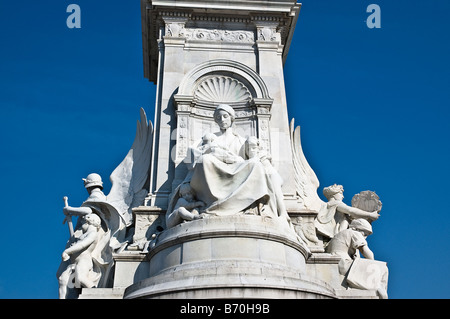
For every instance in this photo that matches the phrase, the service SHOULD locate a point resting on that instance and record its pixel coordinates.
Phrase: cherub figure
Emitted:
(206, 147)
(254, 152)
(347, 244)
(336, 215)
(80, 255)
(207, 142)
(185, 208)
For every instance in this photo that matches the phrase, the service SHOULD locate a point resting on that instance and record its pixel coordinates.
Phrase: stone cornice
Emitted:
(281, 15)
(246, 5)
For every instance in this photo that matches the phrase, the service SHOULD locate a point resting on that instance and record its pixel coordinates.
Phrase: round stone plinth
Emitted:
(229, 257)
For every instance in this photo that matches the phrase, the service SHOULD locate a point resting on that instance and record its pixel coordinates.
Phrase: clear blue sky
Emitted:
(373, 105)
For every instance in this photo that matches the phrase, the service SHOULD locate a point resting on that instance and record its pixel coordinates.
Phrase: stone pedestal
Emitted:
(228, 257)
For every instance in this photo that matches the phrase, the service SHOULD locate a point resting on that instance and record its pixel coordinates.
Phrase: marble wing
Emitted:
(306, 181)
(130, 177)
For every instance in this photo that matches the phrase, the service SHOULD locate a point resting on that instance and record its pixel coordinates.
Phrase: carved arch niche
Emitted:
(215, 82)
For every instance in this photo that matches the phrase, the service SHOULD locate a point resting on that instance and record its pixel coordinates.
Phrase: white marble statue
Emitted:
(224, 177)
(335, 215)
(229, 175)
(114, 210)
(306, 181)
(186, 207)
(367, 201)
(360, 273)
(342, 228)
(221, 176)
(81, 256)
(253, 152)
(98, 251)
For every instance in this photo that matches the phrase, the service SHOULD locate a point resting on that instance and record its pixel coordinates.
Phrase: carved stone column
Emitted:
(263, 108)
(171, 68)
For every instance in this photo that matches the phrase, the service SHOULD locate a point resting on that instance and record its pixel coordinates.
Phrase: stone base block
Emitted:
(101, 293)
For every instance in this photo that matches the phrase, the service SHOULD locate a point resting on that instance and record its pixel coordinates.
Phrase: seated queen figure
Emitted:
(221, 175)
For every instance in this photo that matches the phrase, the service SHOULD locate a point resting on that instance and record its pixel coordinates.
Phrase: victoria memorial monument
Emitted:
(215, 198)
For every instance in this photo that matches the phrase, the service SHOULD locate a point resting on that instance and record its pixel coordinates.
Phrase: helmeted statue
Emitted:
(115, 215)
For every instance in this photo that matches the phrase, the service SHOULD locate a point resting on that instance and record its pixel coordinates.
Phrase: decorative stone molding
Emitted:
(211, 16)
(222, 89)
(268, 34)
(220, 66)
(222, 81)
(174, 29)
(221, 19)
(303, 222)
(148, 221)
(174, 23)
(218, 35)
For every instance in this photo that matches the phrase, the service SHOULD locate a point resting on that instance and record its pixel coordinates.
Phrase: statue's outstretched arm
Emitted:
(356, 212)
(77, 211)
